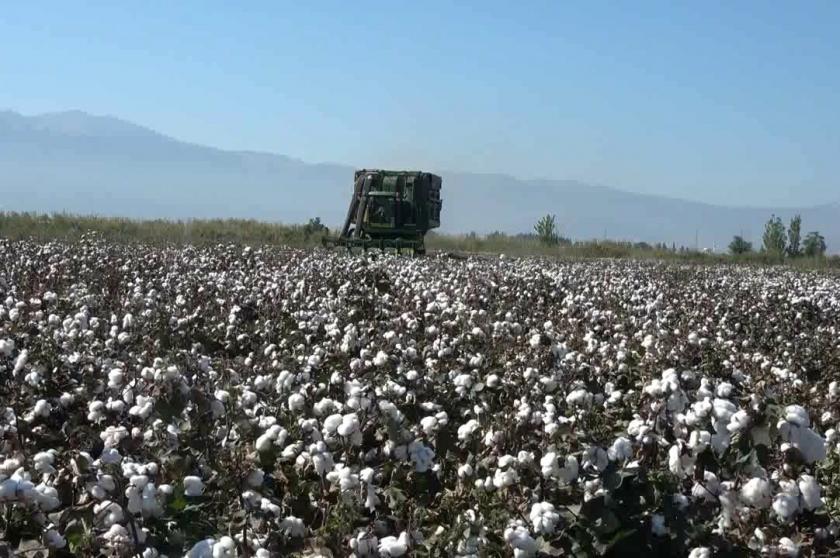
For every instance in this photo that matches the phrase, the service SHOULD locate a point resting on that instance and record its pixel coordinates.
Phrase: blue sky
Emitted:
(725, 102)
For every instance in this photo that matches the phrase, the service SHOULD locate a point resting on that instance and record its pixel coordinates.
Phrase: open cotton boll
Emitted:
(54, 539)
(787, 547)
(296, 402)
(193, 486)
(544, 518)
(291, 526)
(364, 544)
(810, 490)
(393, 547)
(224, 548)
(700, 552)
(44, 462)
(349, 425)
(757, 493)
(521, 541)
(620, 450)
(202, 549)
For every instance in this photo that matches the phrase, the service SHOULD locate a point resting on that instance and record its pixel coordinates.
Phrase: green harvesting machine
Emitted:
(390, 210)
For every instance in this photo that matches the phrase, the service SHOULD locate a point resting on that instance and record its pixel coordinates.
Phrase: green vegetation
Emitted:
(546, 230)
(62, 226)
(773, 241)
(779, 246)
(794, 249)
(17, 226)
(739, 246)
(815, 245)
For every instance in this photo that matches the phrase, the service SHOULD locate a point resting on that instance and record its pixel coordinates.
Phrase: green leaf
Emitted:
(179, 503)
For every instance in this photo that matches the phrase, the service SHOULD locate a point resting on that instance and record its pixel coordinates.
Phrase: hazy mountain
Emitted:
(76, 162)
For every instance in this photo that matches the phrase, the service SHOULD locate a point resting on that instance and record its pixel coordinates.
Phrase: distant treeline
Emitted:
(68, 227)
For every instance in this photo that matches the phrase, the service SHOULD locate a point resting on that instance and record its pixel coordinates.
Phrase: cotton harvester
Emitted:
(391, 209)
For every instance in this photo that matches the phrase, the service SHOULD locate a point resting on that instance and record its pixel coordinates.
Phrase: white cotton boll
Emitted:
(225, 548)
(465, 470)
(757, 493)
(381, 359)
(724, 390)
(786, 502)
(797, 415)
(291, 526)
(44, 462)
(54, 539)
(657, 525)
(738, 421)
(117, 536)
(42, 408)
(698, 441)
(525, 458)
(620, 450)
(506, 461)
(810, 490)
(193, 486)
(349, 425)
(428, 425)
(466, 430)
(66, 399)
(544, 518)
(46, 497)
(109, 512)
(595, 458)
(110, 456)
(700, 552)
(364, 544)
(20, 362)
(505, 478)
(392, 547)
(834, 390)
(523, 544)
(96, 411)
(549, 465)
(332, 422)
(7, 346)
(296, 402)
(579, 398)
(115, 406)
(812, 446)
(787, 547)
(680, 463)
(202, 549)
(421, 455)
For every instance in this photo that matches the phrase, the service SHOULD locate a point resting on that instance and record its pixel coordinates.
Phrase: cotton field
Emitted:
(232, 401)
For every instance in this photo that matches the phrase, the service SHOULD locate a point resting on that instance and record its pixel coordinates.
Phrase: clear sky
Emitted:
(725, 102)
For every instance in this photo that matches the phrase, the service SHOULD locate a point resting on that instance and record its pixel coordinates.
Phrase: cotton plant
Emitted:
(238, 380)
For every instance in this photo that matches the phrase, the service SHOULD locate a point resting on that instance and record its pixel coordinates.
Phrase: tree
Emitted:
(814, 245)
(546, 229)
(740, 246)
(774, 237)
(794, 229)
(315, 226)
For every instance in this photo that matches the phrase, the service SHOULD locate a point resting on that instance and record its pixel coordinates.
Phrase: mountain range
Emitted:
(80, 163)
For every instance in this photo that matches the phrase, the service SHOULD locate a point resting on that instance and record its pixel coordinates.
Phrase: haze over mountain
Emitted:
(80, 163)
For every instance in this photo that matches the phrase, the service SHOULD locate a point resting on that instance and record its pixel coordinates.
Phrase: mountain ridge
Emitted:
(78, 162)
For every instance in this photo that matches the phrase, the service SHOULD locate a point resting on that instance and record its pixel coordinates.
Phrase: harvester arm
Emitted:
(354, 203)
(363, 202)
